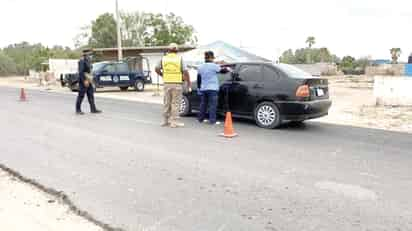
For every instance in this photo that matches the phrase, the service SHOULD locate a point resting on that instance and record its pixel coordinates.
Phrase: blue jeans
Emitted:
(208, 98)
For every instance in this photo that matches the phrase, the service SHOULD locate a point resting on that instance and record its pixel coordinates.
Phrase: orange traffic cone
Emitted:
(229, 132)
(23, 95)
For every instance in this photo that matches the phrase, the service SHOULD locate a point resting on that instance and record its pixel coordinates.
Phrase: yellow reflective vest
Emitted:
(172, 68)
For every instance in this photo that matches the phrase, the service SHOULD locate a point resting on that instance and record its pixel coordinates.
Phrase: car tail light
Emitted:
(303, 91)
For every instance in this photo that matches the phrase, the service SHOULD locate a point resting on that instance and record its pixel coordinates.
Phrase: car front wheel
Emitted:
(184, 109)
(267, 115)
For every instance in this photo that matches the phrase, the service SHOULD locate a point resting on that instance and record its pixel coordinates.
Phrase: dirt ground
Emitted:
(355, 105)
(24, 207)
(353, 102)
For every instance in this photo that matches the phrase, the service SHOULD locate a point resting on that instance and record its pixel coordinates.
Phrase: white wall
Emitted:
(393, 91)
(59, 66)
(154, 60)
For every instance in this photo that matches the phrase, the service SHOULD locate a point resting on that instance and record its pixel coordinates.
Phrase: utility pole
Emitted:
(119, 36)
(24, 62)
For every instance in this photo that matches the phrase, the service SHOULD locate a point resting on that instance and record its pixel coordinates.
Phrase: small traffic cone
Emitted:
(23, 97)
(229, 132)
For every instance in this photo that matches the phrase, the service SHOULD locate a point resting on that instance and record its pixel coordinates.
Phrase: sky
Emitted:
(359, 28)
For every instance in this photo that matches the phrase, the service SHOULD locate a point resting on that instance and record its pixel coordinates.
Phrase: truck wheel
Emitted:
(73, 87)
(124, 88)
(139, 85)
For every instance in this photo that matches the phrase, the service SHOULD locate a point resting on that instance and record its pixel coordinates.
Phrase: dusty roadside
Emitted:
(355, 105)
(24, 207)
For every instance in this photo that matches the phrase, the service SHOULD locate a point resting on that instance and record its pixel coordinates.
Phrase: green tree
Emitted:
(21, 54)
(348, 62)
(30, 56)
(163, 30)
(7, 65)
(81, 40)
(301, 56)
(310, 41)
(137, 29)
(308, 55)
(288, 57)
(134, 28)
(362, 63)
(395, 54)
(324, 55)
(103, 32)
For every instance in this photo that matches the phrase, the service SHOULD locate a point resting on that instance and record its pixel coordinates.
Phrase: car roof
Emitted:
(237, 63)
(109, 62)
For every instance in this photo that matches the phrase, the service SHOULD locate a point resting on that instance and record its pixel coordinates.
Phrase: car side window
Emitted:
(122, 67)
(250, 73)
(224, 77)
(110, 68)
(270, 74)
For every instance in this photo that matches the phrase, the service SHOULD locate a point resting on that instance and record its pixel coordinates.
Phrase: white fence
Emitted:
(393, 91)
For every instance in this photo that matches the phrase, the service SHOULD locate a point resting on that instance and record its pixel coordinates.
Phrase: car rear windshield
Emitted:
(293, 72)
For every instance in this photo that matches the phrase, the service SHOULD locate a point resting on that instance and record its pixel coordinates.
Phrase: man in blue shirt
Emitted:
(208, 83)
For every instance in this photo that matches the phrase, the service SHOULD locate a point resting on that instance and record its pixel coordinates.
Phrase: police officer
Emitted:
(85, 84)
(174, 72)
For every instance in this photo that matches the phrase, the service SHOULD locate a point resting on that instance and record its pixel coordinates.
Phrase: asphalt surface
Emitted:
(126, 170)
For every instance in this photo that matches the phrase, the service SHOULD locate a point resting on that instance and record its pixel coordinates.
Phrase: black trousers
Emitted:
(90, 97)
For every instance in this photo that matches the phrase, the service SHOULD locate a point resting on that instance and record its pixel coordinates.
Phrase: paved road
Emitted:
(127, 171)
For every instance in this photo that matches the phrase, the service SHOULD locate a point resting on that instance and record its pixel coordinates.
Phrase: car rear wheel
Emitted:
(124, 88)
(184, 109)
(267, 115)
(139, 85)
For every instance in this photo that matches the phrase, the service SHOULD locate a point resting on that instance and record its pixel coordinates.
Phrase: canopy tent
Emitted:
(223, 52)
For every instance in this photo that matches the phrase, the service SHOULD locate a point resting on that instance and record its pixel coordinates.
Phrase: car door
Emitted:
(193, 96)
(122, 76)
(244, 88)
(106, 75)
(225, 81)
(273, 86)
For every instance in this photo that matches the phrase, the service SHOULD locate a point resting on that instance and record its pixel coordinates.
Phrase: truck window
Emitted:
(122, 67)
(110, 68)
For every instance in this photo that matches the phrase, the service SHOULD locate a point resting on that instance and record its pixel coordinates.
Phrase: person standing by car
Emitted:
(174, 73)
(208, 83)
(85, 84)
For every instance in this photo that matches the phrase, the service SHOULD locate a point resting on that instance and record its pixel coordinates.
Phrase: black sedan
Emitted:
(268, 93)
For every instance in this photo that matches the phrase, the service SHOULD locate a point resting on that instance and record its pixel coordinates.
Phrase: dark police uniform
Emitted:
(85, 67)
